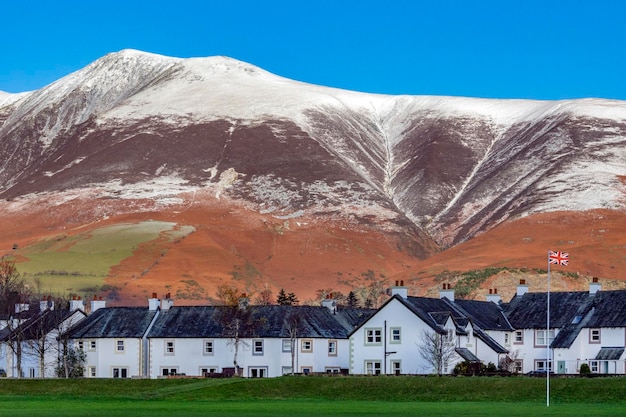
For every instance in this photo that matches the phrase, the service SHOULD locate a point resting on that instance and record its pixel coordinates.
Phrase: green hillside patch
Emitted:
(79, 262)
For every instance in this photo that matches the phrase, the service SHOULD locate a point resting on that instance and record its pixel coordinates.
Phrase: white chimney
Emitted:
(167, 302)
(400, 289)
(76, 303)
(153, 303)
(493, 296)
(97, 303)
(21, 307)
(46, 303)
(522, 288)
(595, 286)
(447, 292)
(330, 304)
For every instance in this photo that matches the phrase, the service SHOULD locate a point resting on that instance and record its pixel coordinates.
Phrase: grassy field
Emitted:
(81, 262)
(315, 396)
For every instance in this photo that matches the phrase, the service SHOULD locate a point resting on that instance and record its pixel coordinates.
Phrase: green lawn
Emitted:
(81, 262)
(315, 396)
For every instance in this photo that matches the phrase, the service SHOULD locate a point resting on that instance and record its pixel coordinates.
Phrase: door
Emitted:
(560, 369)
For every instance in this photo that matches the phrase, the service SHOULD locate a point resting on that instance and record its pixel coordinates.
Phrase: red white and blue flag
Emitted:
(558, 258)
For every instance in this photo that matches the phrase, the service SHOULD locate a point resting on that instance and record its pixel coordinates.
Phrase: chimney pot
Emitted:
(522, 281)
(402, 283)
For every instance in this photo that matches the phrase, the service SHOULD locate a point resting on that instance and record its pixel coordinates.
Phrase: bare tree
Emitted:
(13, 302)
(236, 319)
(295, 326)
(437, 349)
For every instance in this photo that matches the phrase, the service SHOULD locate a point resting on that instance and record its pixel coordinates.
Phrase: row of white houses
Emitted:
(163, 340)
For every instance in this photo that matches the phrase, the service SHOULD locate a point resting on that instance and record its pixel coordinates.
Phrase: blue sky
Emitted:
(494, 49)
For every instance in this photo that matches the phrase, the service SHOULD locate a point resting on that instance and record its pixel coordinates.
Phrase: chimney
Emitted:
(447, 292)
(399, 289)
(522, 288)
(330, 304)
(76, 303)
(21, 307)
(595, 286)
(97, 303)
(167, 302)
(493, 296)
(153, 302)
(244, 301)
(46, 303)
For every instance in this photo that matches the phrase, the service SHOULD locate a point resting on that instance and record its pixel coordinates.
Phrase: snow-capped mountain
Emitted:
(134, 125)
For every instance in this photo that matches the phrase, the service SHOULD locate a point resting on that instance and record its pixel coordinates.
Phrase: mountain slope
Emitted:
(142, 133)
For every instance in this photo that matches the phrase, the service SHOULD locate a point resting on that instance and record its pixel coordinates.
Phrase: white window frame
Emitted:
(208, 347)
(332, 347)
(518, 337)
(306, 346)
(373, 336)
(372, 367)
(91, 372)
(120, 346)
(396, 366)
(594, 336)
(169, 371)
(92, 345)
(395, 335)
(202, 370)
(540, 337)
(257, 347)
(169, 346)
(286, 345)
(120, 370)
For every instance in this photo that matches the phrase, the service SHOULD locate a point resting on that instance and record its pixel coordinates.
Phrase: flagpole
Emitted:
(548, 339)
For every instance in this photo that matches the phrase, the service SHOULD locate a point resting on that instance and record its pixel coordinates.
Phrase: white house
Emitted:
(40, 347)
(389, 341)
(163, 340)
(585, 327)
(114, 341)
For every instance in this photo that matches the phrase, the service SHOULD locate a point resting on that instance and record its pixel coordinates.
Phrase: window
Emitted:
(80, 345)
(540, 337)
(396, 369)
(540, 365)
(286, 345)
(307, 346)
(372, 367)
(394, 335)
(257, 372)
(518, 366)
(306, 370)
(594, 335)
(91, 371)
(92, 345)
(257, 347)
(32, 373)
(373, 336)
(169, 347)
(169, 371)
(120, 372)
(507, 339)
(519, 337)
(204, 371)
(119, 346)
(286, 370)
(208, 348)
(332, 348)
(332, 370)
(593, 366)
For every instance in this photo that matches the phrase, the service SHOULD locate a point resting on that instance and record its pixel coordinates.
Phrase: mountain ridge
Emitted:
(147, 132)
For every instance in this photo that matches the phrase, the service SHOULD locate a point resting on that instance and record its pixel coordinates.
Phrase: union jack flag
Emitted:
(558, 258)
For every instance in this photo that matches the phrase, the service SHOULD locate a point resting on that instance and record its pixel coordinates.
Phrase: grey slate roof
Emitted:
(467, 354)
(39, 323)
(316, 322)
(609, 353)
(570, 312)
(114, 322)
(436, 311)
